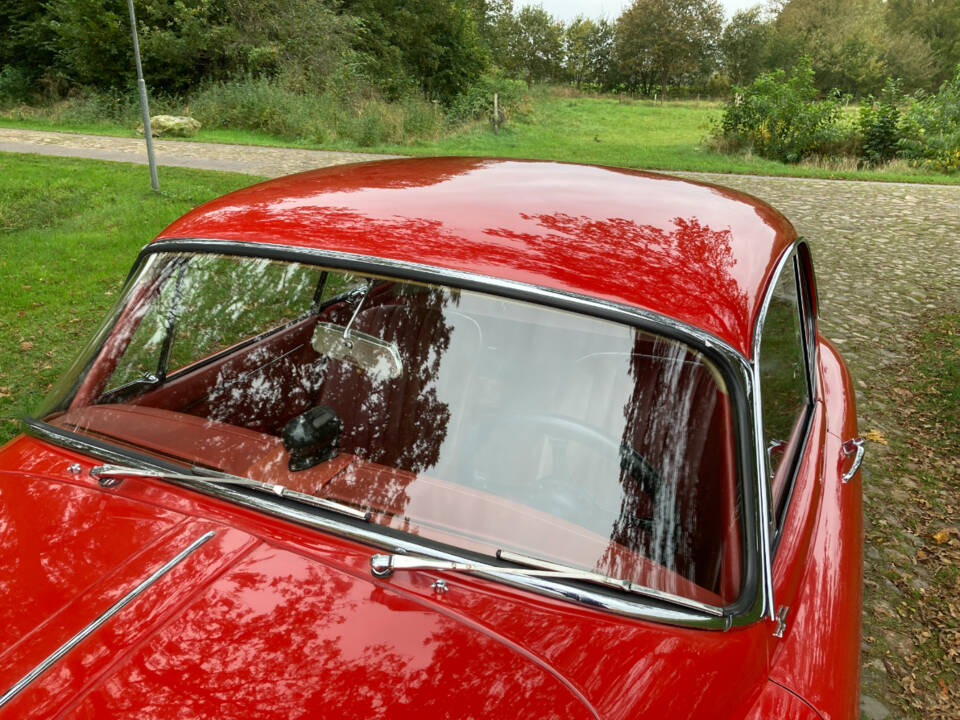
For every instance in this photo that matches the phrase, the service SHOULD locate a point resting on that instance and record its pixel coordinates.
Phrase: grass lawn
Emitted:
(69, 232)
(636, 134)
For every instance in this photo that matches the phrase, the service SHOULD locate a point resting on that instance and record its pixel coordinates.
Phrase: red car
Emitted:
(445, 438)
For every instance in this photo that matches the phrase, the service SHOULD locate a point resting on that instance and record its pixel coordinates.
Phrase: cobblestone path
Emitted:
(248, 159)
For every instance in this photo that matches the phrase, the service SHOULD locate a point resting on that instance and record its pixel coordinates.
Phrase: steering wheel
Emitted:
(565, 494)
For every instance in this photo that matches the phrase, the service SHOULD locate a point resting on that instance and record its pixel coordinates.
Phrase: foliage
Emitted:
(879, 124)
(305, 43)
(533, 46)
(845, 40)
(16, 84)
(588, 48)
(490, 17)
(935, 25)
(476, 103)
(668, 41)
(24, 45)
(430, 43)
(743, 45)
(931, 128)
(780, 117)
(266, 105)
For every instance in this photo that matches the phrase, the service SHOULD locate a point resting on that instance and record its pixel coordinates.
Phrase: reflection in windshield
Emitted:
(502, 425)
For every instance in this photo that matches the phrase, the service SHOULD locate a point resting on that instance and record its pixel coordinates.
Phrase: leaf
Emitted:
(26, 345)
(875, 436)
(943, 536)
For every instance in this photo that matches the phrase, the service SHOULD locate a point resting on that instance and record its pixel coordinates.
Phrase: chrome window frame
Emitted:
(737, 370)
(769, 534)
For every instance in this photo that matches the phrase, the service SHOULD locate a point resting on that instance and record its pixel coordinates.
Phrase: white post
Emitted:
(144, 108)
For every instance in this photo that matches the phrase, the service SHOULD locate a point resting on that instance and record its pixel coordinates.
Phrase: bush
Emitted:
(879, 124)
(476, 102)
(931, 128)
(780, 117)
(16, 85)
(263, 104)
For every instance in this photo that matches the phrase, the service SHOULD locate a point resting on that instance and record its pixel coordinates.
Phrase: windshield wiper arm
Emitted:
(384, 565)
(107, 473)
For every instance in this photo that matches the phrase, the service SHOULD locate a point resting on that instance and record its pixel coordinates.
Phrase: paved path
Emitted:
(248, 159)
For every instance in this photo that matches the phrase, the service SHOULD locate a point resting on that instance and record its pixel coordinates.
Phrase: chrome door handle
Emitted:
(853, 446)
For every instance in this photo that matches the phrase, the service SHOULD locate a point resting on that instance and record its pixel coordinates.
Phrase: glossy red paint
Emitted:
(272, 620)
(699, 253)
(829, 583)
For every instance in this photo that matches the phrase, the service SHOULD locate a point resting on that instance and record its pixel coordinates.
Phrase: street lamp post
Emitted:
(144, 108)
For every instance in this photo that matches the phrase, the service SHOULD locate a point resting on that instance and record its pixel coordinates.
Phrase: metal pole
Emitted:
(144, 108)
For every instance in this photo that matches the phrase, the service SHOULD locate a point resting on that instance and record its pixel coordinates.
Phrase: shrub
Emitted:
(879, 124)
(256, 104)
(476, 102)
(264, 104)
(16, 85)
(779, 117)
(931, 128)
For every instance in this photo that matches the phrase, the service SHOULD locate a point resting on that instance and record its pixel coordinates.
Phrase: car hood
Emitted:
(189, 617)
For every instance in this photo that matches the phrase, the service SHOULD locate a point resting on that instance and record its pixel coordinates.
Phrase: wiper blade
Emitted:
(384, 565)
(109, 475)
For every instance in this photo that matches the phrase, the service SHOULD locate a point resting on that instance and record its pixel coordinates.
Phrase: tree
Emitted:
(534, 45)
(24, 38)
(668, 41)
(183, 42)
(433, 43)
(588, 49)
(935, 24)
(845, 40)
(743, 45)
(490, 17)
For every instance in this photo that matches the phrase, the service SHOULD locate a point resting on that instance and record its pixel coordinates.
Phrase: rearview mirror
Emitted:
(379, 358)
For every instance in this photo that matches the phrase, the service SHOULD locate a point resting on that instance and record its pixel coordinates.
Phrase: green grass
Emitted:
(606, 131)
(69, 232)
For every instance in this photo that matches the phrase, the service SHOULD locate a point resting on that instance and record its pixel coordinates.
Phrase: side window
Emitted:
(784, 387)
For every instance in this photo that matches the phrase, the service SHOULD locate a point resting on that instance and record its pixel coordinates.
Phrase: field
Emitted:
(69, 232)
(556, 126)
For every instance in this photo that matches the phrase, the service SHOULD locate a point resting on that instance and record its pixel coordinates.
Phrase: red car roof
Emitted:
(697, 253)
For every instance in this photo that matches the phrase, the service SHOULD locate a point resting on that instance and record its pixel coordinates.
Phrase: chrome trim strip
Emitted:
(628, 585)
(494, 285)
(61, 651)
(763, 482)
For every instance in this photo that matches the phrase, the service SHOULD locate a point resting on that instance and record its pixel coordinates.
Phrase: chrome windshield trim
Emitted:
(61, 651)
(497, 286)
(749, 607)
(385, 565)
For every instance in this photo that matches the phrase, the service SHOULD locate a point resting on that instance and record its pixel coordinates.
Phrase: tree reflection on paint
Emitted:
(680, 254)
(281, 636)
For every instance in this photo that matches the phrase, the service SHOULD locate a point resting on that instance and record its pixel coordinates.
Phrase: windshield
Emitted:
(468, 419)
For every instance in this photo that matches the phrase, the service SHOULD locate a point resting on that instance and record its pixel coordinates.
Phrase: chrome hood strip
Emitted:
(61, 651)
